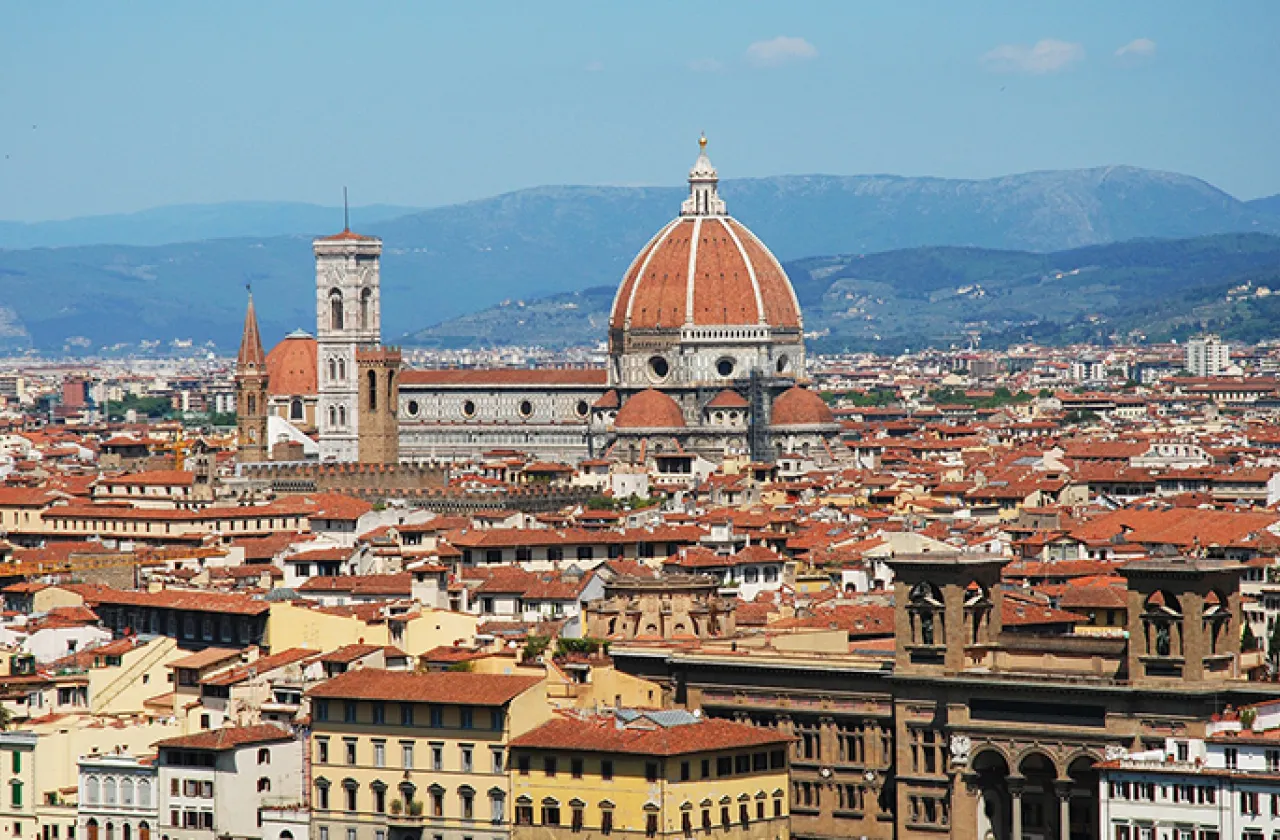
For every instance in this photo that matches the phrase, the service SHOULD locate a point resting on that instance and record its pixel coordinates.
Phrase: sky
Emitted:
(117, 107)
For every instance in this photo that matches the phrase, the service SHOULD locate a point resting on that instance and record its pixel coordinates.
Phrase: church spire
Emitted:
(703, 199)
(251, 357)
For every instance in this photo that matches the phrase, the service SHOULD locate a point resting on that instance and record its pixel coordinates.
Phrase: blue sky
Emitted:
(116, 107)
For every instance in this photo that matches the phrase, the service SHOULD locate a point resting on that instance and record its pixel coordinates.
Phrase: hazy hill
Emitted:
(445, 262)
(190, 223)
(938, 295)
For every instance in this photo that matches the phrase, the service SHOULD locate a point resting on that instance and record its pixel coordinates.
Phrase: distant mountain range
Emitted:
(445, 262)
(943, 296)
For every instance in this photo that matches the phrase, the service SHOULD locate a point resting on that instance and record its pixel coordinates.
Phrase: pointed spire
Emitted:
(703, 200)
(251, 357)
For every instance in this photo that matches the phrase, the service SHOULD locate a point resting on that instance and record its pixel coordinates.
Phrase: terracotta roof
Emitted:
(601, 733)
(446, 687)
(799, 407)
(348, 235)
(175, 599)
(734, 279)
(205, 658)
(228, 738)
(728, 399)
(251, 355)
(291, 367)
(261, 665)
(650, 409)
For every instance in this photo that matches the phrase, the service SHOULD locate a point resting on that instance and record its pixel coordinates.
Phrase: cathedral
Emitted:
(706, 358)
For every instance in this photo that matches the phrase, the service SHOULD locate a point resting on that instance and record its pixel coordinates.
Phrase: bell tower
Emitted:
(251, 393)
(348, 318)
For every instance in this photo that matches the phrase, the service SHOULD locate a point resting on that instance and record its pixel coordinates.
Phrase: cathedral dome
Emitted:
(798, 407)
(649, 409)
(704, 269)
(291, 367)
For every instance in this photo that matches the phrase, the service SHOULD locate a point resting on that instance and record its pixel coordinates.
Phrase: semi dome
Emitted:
(291, 367)
(649, 409)
(799, 407)
(704, 269)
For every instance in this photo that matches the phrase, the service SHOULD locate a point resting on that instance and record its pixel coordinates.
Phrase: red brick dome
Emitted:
(649, 409)
(798, 407)
(705, 271)
(291, 367)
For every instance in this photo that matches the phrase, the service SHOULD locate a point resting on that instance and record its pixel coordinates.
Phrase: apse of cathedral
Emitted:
(706, 362)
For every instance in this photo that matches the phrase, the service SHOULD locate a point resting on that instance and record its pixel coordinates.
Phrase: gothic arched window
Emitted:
(373, 390)
(342, 416)
(295, 409)
(366, 304)
(335, 309)
(333, 416)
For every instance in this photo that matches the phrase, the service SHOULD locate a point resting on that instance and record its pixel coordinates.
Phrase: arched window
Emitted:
(335, 309)
(92, 790)
(342, 370)
(333, 369)
(333, 416)
(144, 799)
(111, 831)
(264, 785)
(126, 791)
(295, 409)
(366, 305)
(92, 826)
(144, 829)
(251, 404)
(373, 390)
(342, 416)
(264, 756)
(126, 832)
(109, 797)
(391, 382)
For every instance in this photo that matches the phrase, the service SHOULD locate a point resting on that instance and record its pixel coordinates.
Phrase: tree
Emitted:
(6, 717)
(1273, 649)
(1248, 641)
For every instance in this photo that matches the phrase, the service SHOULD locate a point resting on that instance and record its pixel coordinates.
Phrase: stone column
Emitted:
(1016, 786)
(1063, 789)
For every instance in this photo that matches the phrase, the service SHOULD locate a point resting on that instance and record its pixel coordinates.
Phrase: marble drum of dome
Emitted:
(704, 303)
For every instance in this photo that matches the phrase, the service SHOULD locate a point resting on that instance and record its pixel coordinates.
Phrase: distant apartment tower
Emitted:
(1208, 356)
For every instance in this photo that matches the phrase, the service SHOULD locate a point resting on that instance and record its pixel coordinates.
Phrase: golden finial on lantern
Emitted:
(702, 141)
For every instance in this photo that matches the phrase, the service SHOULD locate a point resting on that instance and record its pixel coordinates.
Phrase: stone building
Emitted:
(251, 392)
(963, 729)
(684, 606)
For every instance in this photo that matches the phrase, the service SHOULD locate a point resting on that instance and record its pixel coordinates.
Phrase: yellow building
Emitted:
(669, 774)
(329, 628)
(398, 755)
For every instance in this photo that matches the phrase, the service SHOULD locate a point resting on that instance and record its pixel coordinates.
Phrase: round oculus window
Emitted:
(412, 408)
(725, 367)
(468, 409)
(658, 367)
(526, 408)
(581, 409)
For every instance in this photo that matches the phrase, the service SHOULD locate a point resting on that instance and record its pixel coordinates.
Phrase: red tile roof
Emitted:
(601, 733)
(228, 738)
(446, 687)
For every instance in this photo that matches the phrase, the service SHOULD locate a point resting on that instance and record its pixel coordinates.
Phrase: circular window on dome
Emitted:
(658, 367)
(412, 408)
(784, 364)
(725, 367)
(468, 409)
(581, 409)
(526, 408)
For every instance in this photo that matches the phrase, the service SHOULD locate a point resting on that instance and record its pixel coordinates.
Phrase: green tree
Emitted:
(1248, 641)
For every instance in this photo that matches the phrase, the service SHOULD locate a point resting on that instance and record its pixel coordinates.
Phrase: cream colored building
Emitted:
(399, 755)
(411, 628)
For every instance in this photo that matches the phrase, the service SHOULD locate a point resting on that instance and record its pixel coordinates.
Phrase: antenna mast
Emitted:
(346, 214)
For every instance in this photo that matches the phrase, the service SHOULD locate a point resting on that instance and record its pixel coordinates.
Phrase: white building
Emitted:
(217, 783)
(118, 798)
(1208, 356)
(1223, 787)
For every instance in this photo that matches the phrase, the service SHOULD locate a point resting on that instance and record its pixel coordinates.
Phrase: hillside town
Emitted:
(695, 582)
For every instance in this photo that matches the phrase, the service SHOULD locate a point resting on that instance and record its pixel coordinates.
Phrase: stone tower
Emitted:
(348, 317)
(251, 393)
(378, 373)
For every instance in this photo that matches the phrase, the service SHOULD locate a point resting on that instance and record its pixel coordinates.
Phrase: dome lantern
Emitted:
(703, 200)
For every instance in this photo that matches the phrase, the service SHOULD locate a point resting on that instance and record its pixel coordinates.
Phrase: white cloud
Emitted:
(1137, 48)
(780, 50)
(705, 65)
(1045, 56)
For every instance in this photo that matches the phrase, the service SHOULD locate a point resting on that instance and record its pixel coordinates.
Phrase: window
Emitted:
(606, 821)
(351, 834)
(725, 822)
(684, 771)
(496, 754)
(522, 765)
(349, 748)
(349, 789)
(686, 824)
(495, 806)
(706, 768)
(575, 820)
(467, 799)
(1232, 757)
(437, 756)
(109, 791)
(379, 714)
(650, 824)
(349, 711)
(406, 714)
(264, 785)
(91, 790)
(651, 771)
(437, 802)
(264, 756)
(15, 794)
(322, 794)
(606, 770)
(379, 797)
(706, 820)
(437, 717)
(379, 753)
(322, 750)
(497, 720)
(322, 709)
(17, 761)
(575, 768)
(524, 815)
(406, 755)
(549, 766)
(550, 813)
(467, 754)
(466, 718)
